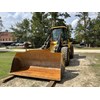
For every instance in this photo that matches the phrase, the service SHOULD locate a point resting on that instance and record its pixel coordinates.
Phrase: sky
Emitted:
(11, 18)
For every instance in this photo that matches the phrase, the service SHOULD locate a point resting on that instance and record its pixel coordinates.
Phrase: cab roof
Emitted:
(59, 27)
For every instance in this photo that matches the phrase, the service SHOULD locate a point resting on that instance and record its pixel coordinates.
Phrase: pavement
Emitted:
(12, 50)
(86, 51)
(23, 50)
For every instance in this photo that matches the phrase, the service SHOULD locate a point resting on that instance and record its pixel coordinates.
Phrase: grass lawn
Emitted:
(96, 65)
(5, 63)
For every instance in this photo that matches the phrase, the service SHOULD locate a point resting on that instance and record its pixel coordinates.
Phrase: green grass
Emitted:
(97, 60)
(94, 58)
(96, 65)
(5, 63)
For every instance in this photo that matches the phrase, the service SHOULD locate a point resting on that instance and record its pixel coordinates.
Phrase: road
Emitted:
(86, 51)
(75, 50)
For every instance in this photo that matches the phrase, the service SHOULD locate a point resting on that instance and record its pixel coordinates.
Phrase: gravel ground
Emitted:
(77, 74)
(24, 82)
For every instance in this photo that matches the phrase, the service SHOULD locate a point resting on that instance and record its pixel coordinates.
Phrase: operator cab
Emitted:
(59, 33)
(58, 38)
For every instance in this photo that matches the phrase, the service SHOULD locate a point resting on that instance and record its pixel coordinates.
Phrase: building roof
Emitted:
(5, 33)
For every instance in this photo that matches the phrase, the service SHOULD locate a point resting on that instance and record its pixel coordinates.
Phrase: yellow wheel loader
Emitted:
(49, 61)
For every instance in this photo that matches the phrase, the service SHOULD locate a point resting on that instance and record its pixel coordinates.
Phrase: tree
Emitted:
(95, 31)
(36, 29)
(22, 30)
(82, 26)
(58, 18)
(42, 22)
(40, 26)
(89, 30)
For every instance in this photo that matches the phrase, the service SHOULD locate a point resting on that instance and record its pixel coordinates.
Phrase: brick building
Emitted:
(6, 37)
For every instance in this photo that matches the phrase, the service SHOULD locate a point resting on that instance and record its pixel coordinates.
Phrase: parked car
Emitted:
(13, 44)
(82, 44)
(19, 44)
(27, 44)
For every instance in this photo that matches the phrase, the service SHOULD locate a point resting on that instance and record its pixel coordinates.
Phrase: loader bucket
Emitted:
(38, 64)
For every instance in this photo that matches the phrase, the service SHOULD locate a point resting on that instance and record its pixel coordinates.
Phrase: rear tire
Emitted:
(66, 55)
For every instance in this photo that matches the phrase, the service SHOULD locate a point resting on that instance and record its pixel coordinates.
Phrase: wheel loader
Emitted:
(47, 62)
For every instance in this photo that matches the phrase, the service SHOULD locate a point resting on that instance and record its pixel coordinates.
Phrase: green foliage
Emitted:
(42, 22)
(58, 18)
(22, 30)
(36, 30)
(89, 30)
(82, 25)
(40, 26)
(94, 31)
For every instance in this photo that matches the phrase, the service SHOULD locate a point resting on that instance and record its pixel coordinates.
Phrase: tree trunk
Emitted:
(89, 45)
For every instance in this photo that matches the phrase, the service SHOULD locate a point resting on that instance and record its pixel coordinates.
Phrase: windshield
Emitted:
(56, 34)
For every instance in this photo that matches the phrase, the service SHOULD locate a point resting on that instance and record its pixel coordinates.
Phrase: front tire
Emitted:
(66, 55)
(71, 52)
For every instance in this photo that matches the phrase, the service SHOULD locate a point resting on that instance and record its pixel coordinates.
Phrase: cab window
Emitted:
(56, 34)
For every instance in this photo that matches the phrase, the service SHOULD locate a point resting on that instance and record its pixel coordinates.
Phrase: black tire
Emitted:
(71, 52)
(66, 55)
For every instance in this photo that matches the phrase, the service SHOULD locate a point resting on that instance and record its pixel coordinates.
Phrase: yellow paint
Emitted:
(53, 44)
(59, 27)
